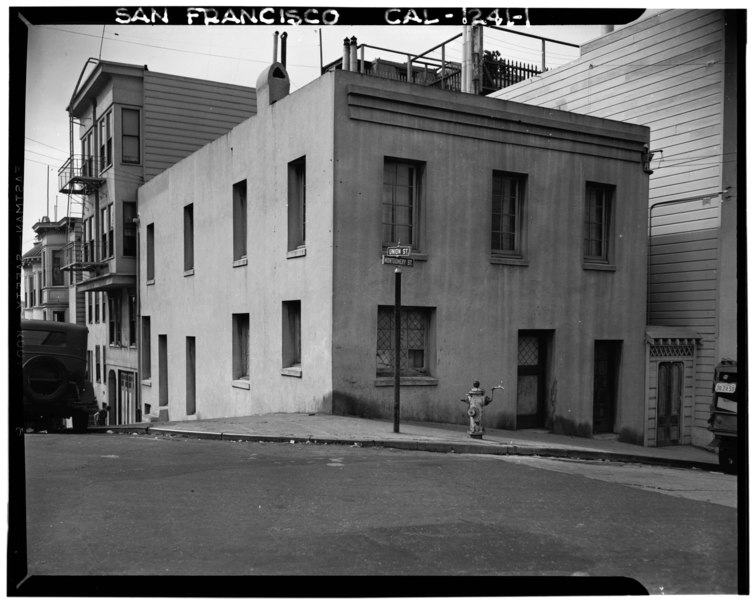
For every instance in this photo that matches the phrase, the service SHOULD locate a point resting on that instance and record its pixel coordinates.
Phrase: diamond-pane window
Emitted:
(527, 351)
(414, 323)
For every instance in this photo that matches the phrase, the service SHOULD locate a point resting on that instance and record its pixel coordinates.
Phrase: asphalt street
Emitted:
(117, 505)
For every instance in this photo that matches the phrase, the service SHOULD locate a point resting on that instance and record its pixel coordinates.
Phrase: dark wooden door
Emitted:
(604, 385)
(531, 381)
(670, 385)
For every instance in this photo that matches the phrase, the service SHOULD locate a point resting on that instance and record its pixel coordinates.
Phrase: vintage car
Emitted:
(55, 384)
(723, 419)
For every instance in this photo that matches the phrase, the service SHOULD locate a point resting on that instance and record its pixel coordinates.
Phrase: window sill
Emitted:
(407, 381)
(510, 260)
(146, 383)
(150, 282)
(240, 262)
(598, 266)
(188, 273)
(295, 371)
(296, 253)
(241, 384)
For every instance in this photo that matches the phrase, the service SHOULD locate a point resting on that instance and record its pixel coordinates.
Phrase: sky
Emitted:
(57, 53)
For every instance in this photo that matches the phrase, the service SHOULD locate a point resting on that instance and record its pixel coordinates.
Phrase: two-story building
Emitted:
(263, 287)
(677, 73)
(130, 124)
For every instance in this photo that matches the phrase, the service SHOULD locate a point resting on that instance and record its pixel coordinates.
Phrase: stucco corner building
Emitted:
(261, 281)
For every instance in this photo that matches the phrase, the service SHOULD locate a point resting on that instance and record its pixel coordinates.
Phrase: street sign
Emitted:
(396, 261)
(398, 251)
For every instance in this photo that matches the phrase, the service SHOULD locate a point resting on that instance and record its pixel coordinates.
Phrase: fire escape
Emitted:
(79, 179)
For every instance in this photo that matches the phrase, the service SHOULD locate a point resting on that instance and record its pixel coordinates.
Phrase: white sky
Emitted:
(233, 54)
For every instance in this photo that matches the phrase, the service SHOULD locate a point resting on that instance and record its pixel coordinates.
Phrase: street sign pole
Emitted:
(397, 344)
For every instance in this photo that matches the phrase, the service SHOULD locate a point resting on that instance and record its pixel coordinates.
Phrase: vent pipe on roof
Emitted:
(283, 58)
(274, 53)
(354, 53)
(346, 55)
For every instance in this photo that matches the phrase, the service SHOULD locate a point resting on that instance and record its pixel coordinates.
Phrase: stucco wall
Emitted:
(202, 304)
(480, 307)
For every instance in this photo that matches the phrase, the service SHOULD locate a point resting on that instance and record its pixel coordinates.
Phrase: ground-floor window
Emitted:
(415, 337)
(291, 342)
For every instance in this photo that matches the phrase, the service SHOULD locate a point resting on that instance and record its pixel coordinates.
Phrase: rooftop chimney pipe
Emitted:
(274, 55)
(346, 55)
(283, 60)
(354, 53)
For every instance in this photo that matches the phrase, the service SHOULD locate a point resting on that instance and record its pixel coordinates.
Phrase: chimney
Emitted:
(274, 52)
(346, 55)
(354, 54)
(272, 84)
(284, 49)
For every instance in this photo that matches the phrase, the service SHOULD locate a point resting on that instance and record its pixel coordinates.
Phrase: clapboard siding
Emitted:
(664, 72)
(182, 115)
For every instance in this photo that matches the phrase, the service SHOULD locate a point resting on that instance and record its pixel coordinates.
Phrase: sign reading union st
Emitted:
(398, 251)
(396, 261)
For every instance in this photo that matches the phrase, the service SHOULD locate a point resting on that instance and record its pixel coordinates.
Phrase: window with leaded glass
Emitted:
(507, 199)
(598, 223)
(414, 341)
(400, 206)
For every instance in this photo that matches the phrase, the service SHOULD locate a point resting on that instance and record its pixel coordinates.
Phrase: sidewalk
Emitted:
(423, 436)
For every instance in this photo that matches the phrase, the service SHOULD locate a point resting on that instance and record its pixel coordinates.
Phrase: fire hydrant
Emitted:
(476, 399)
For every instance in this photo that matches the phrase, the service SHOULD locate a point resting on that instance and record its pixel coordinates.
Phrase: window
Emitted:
(296, 204)
(190, 376)
(131, 136)
(90, 306)
(106, 228)
(89, 365)
(239, 221)
(99, 364)
(414, 341)
(96, 306)
(129, 228)
(58, 277)
(188, 237)
(87, 165)
(105, 141)
(401, 203)
(150, 252)
(240, 347)
(598, 223)
(506, 214)
(291, 357)
(88, 253)
(145, 347)
(132, 318)
(115, 327)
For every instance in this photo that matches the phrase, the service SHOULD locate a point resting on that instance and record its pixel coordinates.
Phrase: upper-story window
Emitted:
(107, 232)
(598, 223)
(58, 277)
(105, 140)
(131, 139)
(296, 204)
(507, 202)
(87, 165)
(401, 202)
(239, 221)
(129, 228)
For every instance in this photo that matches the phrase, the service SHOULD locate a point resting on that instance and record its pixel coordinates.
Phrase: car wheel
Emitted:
(45, 378)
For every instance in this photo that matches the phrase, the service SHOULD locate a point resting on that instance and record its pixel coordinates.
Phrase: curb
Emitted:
(414, 445)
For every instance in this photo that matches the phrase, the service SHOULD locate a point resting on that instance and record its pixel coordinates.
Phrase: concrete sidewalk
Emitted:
(447, 438)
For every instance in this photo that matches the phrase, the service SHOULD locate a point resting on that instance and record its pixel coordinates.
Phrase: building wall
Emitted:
(676, 73)
(201, 304)
(480, 306)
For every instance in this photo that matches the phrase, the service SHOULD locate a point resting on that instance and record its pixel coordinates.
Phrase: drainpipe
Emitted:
(139, 370)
